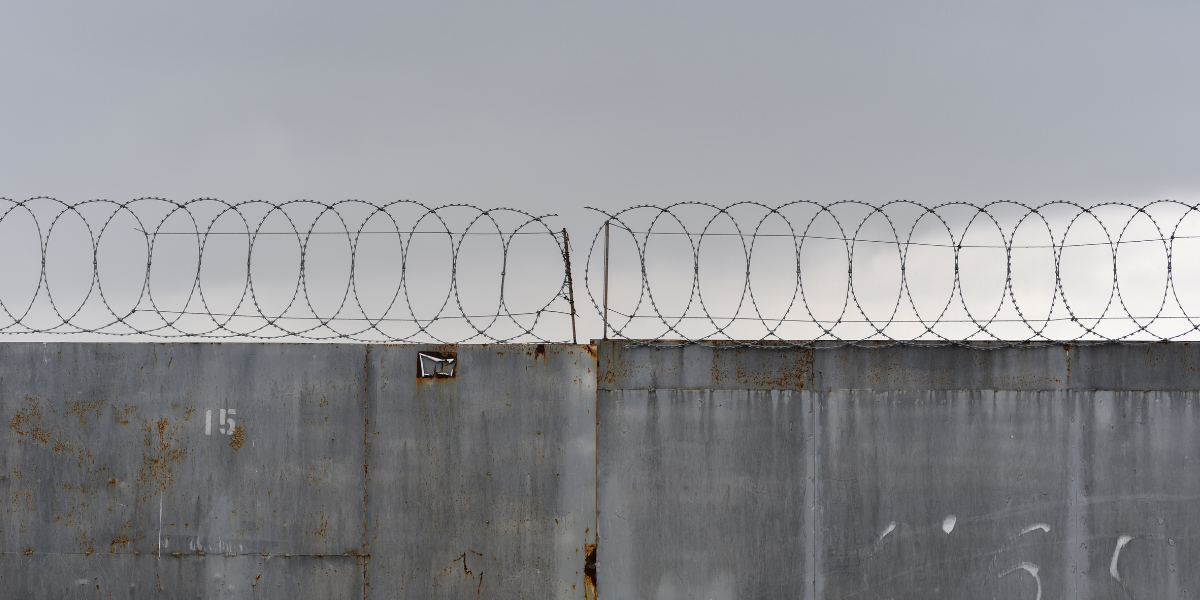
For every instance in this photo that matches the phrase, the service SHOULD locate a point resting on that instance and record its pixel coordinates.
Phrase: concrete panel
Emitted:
(111, 449)
(939, 472)
(704, 494)
(928, 494)
(1051, 480)
(1138, 488)
(483, 484)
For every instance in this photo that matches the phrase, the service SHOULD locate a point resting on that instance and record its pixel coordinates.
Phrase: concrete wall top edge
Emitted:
(1133, 367)
(119, 343)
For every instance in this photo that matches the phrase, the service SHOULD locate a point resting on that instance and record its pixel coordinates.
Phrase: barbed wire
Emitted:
(852, 273)
(800, 274)
(301, 270)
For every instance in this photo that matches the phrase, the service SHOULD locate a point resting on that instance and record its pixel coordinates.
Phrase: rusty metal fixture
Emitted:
(437, 365)
(589, 571)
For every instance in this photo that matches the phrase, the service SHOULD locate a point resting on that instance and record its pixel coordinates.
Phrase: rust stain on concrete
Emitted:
(29, 421)
(162, 452)
(83, 409)
(589, 571)
(238, 438)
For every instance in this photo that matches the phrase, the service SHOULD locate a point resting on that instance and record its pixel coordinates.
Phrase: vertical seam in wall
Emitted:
(1067, 354)
(365, 557)
(816, 408)
(595, 479)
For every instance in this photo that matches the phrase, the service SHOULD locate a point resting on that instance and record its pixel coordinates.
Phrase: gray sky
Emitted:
(549, 107)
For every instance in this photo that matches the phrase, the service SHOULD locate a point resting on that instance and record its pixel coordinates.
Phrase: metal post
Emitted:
(570, 286)
(606, 280)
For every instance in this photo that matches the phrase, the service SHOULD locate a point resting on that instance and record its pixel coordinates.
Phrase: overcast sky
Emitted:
(549, 107)
(552, 106)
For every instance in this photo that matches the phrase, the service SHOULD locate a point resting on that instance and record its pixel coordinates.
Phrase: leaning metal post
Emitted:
(570, 286)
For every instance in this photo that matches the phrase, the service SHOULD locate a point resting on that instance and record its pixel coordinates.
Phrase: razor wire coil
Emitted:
(1149, 292)
(798, 274)
(190, 243)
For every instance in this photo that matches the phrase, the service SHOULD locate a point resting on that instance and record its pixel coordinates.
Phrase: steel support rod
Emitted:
(606, 280)
(570, 285)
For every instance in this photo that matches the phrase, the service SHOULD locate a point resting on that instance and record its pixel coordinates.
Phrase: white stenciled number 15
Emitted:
(227, 423)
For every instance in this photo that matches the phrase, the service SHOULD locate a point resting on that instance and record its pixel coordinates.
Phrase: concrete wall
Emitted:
(899, 473)
(709, 471)
(345, 476)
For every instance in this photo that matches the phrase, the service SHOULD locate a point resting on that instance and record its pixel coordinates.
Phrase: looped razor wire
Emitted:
(852, 273)
(301, 270)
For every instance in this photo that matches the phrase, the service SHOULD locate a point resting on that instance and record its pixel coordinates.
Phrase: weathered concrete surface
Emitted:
(483, 485)
(899, 473)
(106, 454)
(212, 576)
(345, 476)
(704, 494)
(707, 471)
(1133, 367)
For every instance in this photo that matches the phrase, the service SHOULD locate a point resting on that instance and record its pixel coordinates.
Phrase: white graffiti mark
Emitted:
(1112, 567)
(1032, 569)
(1043, 526)
(890, 528)
(948, 523)
(231, 411)
(160, 524)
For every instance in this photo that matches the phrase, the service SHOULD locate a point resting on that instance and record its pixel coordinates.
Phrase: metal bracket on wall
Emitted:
(439, 365)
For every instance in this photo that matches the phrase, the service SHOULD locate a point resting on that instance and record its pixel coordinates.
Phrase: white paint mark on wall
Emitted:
(1043, 526)
(948, 523)
(160, 524)
(1112, 567)
(226, 422)
(1032, 569)
(890, 528)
